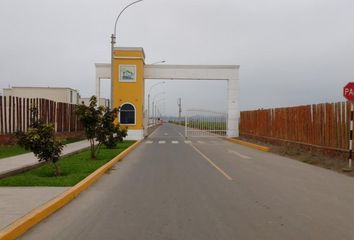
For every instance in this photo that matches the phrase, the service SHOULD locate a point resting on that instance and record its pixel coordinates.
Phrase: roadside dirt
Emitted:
(317, 157)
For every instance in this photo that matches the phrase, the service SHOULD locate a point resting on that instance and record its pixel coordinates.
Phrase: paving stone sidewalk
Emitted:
(19, 201)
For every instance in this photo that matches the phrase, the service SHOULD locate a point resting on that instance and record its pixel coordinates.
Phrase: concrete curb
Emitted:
(19, 170)
(248, 144)
(23, 224)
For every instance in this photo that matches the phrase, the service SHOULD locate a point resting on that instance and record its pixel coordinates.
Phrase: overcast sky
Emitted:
(290, 52)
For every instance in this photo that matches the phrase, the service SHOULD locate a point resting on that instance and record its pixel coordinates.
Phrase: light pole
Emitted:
(179, 103)
(149, 96)
(157, 111)
(113, 41)
(153, 104)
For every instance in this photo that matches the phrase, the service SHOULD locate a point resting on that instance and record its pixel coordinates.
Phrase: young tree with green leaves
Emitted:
(109, 133)
(40, 139)
(98, 123)
(89, 117)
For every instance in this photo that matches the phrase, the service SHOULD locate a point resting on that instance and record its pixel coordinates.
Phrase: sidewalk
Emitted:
(18, 201)
(17, 162)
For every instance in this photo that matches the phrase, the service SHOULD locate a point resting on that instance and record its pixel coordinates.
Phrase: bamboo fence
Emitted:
(15, 114)
(325, 125)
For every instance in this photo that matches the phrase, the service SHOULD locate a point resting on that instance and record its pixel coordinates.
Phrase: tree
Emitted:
(109, 133)
(40, 139)
(98, 123)
(89, 117)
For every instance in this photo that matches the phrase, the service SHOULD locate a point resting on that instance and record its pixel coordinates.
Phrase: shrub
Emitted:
(98, 123)
(40, 139)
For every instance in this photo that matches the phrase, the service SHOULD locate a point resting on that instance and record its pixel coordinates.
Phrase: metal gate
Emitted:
(203, 123)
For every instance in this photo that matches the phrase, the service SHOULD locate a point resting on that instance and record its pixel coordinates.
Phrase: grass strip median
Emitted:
(11, 150)
(73, 168)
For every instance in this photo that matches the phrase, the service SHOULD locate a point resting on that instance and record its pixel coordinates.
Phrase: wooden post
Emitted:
(351, 135)
(350, 157)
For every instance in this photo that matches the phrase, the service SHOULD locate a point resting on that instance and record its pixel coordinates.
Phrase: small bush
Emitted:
(98, 123)
(40, 139)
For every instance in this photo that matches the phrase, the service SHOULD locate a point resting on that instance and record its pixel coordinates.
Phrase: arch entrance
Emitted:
(128, 84)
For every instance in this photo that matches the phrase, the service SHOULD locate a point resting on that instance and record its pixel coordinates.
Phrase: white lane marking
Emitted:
(188, 142)
(175, 142)
(238, 154)
(180, 134)
(153, 132)
(212, 163)
(165, 134)
(162, 142)
(200, 142)
(149, 142)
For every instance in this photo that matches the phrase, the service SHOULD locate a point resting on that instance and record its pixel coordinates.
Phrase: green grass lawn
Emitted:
(73, 168)
(218, 128)
(69, 140)
(204, 125)
(207, 125)
(11, 150)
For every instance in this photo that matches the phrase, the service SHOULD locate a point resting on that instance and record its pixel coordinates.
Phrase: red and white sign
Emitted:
(348, 91)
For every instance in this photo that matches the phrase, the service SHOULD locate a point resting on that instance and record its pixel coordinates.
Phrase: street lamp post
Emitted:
(113, 41)
(149, 97)
(153, 104)
(157, 111)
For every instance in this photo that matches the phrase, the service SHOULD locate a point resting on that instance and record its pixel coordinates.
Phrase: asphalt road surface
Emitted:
(206, 188)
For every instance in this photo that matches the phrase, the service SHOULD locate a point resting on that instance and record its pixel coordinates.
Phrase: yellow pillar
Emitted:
(128, 89)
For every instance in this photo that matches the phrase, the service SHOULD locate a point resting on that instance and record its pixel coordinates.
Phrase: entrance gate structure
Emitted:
(130, 72)
(204, 123)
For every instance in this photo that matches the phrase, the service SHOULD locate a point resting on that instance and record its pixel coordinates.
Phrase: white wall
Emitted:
(195, 72)
(55, 94)
(205, 72)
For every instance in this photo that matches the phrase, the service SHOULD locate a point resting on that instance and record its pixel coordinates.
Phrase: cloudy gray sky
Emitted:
(290, 51)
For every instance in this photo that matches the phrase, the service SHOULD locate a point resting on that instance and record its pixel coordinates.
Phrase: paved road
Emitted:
(207, 188)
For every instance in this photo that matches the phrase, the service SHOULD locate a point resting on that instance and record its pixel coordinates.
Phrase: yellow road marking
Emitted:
(212, 163)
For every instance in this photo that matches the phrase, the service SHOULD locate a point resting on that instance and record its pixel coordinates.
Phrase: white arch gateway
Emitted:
(230, 73)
